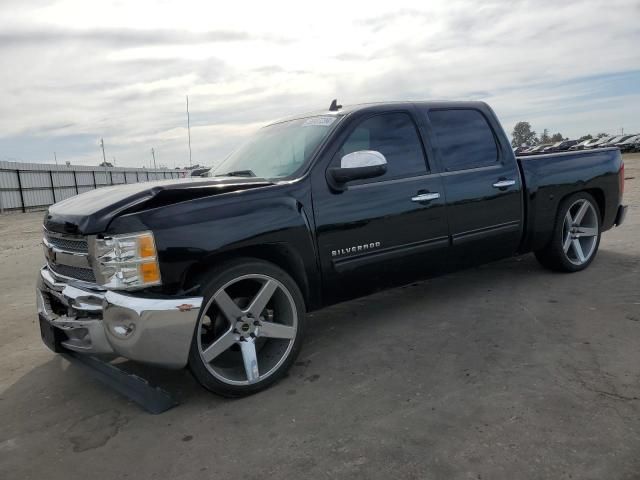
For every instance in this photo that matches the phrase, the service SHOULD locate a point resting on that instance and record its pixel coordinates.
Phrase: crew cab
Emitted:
(217, 273)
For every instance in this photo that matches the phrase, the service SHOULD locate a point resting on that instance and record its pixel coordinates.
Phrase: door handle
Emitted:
(504, 183)
(425, 197)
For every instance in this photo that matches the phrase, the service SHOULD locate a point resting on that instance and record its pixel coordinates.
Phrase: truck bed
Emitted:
(548, 178)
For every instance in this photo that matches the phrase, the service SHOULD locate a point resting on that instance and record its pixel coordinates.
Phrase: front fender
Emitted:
(196, 235)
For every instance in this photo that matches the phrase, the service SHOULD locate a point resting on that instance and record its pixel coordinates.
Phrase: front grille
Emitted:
(75, 245)
(84, 274)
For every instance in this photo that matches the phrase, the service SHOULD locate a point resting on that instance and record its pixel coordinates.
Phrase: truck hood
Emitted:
(91, 212)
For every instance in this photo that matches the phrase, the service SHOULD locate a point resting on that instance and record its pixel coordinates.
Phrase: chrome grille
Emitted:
(84, 274)
(68, 256)
(69, 244)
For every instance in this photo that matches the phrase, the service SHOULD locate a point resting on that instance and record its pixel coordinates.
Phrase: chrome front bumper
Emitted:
(149, 330)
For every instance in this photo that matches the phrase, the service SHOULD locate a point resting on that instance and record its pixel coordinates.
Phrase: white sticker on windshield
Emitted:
(318, 121)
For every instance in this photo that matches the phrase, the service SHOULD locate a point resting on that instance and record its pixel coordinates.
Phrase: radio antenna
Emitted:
(189, 129)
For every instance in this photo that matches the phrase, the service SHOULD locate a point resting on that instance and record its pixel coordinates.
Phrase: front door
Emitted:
(382, 231)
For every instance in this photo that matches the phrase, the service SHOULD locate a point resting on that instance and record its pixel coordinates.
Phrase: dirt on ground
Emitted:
(503, 371)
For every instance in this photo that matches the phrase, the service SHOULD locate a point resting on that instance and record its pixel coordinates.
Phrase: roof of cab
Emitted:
(375, 106)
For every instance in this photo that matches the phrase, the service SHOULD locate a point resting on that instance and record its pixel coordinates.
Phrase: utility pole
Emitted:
(104, 158)
(55, 158)
(153, 154)
(189, 129)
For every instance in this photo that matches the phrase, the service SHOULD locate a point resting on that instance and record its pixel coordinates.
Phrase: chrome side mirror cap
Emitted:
(357, 166)
(362, 158)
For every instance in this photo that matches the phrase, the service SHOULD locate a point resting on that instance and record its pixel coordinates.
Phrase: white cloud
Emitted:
(74, 71)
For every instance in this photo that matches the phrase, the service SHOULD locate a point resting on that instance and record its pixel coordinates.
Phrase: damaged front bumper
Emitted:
(87, 320)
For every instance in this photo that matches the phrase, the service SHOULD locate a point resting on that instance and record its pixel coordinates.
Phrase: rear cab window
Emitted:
(465, 139)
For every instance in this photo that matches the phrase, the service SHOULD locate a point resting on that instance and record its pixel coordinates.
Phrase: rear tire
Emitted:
(576, 235)
(250, 329)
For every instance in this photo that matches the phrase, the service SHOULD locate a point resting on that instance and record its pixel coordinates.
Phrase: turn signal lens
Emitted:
(150, 272)
(146, 246)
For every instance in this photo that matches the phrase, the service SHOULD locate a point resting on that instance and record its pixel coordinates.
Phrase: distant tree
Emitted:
(523, 135)
(585, 137)
(557, 137)
(545, 138)
(602, 135)
(106, 164)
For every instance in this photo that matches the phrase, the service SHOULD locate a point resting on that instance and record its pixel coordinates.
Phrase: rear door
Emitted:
(381, 231)
(481, 183)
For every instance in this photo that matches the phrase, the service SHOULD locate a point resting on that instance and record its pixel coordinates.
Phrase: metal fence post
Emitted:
(24, 209)
(53, 187)
(75, 182)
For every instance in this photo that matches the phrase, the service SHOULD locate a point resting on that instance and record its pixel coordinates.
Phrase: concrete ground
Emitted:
(504, 371)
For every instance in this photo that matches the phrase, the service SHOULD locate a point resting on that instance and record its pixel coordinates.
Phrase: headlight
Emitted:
(125, 262)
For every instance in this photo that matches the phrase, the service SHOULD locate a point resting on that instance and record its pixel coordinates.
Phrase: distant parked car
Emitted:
(521, 149)
(612, 142)
(584, 144)
(200, 172)
(590, 143)
(630, 144)
(537, 148)
(601, 141)
(560, 146)
(618, 140)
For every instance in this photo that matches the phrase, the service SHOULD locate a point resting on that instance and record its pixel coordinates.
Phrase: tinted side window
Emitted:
(395, 136)
(465, 139)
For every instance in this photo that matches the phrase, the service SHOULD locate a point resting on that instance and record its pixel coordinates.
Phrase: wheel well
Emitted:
(278, 254)
(596, 193)
(598, 196)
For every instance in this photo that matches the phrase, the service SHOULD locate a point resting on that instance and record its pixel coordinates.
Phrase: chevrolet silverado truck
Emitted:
(217, 273)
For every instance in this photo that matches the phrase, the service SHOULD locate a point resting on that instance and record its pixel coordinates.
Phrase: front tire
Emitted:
(250, 329)
(576, 235)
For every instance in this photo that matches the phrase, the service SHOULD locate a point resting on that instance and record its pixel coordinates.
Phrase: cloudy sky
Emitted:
(72, 71)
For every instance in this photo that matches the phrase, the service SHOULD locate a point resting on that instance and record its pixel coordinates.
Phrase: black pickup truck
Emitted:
(217, 273)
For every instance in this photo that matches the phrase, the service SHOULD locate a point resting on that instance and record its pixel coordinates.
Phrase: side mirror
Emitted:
(357, 166)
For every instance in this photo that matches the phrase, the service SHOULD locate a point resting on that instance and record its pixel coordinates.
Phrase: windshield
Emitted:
(278, 150)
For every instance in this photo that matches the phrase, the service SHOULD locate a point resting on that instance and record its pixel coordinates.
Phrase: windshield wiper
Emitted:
(238, 173)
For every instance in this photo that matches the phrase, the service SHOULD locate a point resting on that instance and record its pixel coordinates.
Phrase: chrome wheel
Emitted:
(247, 330)
(580, 232)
